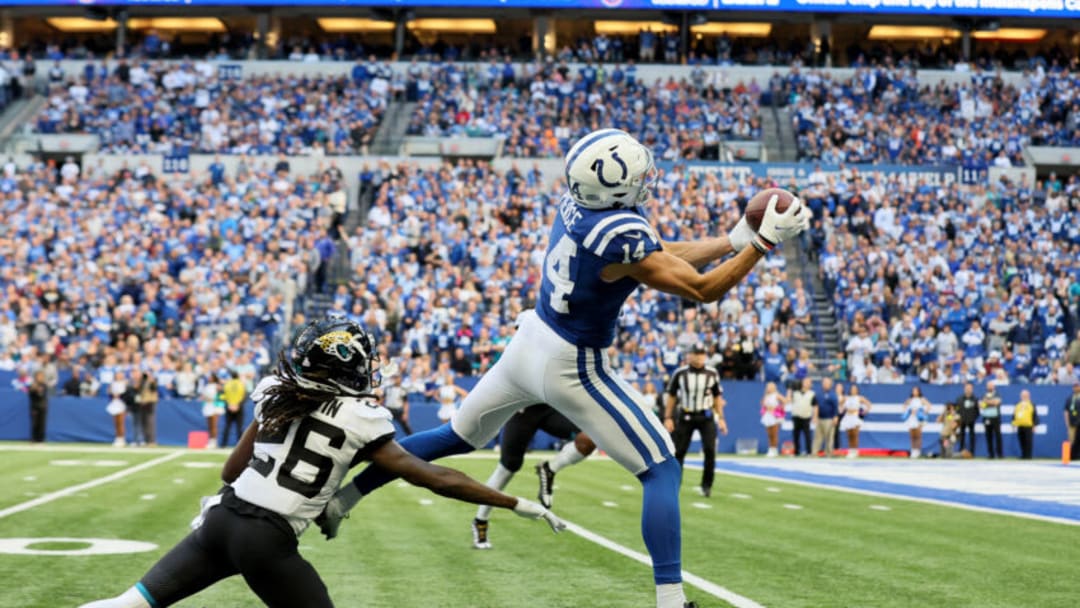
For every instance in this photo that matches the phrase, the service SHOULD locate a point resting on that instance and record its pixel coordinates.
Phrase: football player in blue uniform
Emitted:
(314, 419)
(601, 249)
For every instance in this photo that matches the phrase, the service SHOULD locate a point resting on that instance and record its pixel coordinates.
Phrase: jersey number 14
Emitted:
(557, 270)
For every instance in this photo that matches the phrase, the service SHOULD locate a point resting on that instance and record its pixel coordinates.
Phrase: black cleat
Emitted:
(547, 484)
(690, 605)
(480, 534)
(706, 492)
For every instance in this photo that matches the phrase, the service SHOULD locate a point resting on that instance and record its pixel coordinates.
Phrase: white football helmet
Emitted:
(609, 169)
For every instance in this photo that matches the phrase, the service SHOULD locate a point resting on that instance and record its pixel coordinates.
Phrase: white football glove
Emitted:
(337, 509)
(205, 504)
(741, 235)
(777, 227)
(531, 510)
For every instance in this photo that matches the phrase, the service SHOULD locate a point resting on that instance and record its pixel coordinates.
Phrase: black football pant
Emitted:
(685, 425)
(520, 429)
(238, 537)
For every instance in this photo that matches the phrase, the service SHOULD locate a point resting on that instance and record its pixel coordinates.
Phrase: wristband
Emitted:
(762, 244)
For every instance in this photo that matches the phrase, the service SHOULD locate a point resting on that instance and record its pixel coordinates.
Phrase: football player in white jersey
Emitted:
(315, 418)
(601, 249)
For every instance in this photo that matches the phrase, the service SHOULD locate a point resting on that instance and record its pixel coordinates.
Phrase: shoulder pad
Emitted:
(622, 237)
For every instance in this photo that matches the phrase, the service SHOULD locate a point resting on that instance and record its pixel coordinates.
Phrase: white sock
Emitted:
(498, 480)
(568, 455)
(130, 599)
(670, 595)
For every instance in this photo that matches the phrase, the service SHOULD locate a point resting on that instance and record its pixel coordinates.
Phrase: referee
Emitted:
(697, 391)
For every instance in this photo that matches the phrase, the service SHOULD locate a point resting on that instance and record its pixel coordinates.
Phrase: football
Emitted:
(755, 209)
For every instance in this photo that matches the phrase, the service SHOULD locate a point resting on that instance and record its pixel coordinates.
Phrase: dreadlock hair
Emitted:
(289, 399)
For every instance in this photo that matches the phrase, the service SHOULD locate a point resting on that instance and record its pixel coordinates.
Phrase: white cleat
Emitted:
(480, 534)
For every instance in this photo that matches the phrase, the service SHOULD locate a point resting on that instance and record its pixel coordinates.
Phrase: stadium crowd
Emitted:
(156, 107)
(113, 274)
(882, 115)
(878, 115)
(441, 270)
(443, 266)
(952, 283)
(647, 46)
(541, 107)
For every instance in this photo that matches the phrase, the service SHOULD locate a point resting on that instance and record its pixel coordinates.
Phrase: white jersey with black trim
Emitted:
(295, 471)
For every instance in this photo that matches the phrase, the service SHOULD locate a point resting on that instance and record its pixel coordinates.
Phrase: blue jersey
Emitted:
(574, 301)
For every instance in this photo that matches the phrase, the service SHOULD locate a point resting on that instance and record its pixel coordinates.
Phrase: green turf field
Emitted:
(405, 547)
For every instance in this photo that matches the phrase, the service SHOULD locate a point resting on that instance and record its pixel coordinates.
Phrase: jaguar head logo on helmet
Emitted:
(609, 169)
(335, 354)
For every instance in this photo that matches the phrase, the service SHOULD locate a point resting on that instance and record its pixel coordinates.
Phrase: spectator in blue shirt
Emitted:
(773, 368)
(828, 415)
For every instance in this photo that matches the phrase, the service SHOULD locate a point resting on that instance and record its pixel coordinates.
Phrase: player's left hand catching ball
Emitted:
(786, 231)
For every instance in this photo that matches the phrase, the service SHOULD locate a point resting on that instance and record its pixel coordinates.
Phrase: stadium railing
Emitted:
(724, 76)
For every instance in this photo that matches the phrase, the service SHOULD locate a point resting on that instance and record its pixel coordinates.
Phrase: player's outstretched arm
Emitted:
(241, 454)
(670, 274)
(455, 484)
(703, 252)
(700, 253)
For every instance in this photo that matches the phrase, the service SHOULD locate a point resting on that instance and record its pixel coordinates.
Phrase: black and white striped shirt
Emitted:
(695, 388)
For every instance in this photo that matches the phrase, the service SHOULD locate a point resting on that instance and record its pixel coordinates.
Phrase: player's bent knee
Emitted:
(511, 462)
(664, 473)
(471, 436)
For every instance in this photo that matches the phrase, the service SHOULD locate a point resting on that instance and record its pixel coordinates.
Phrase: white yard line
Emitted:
(930, 501)
(101, 449)
(708, 587)
(93, 483)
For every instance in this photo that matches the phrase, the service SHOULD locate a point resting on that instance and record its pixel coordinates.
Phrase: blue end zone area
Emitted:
(1009, 504)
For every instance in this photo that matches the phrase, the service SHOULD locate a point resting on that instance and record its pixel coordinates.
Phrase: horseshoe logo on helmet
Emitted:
(598, 168)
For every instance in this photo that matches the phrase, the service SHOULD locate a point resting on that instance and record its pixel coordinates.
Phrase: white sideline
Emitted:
(93, 483)
(22, 446)
(929, 501)
(708, 587)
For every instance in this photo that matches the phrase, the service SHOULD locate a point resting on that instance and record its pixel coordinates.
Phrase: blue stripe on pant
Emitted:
(660, 518)
(641, 416)
(607, 406)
